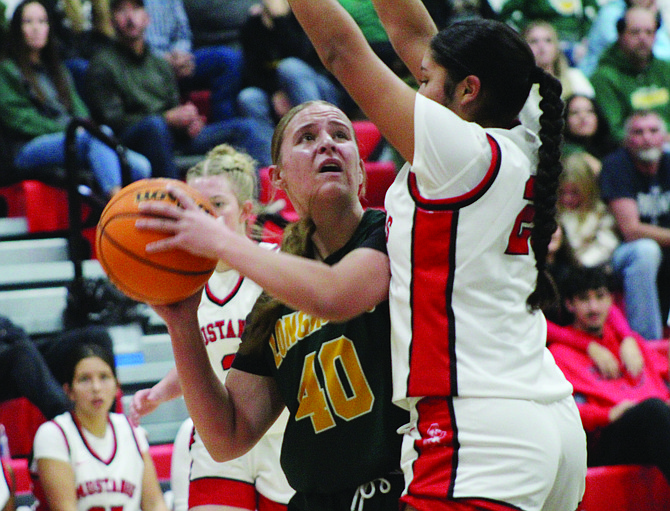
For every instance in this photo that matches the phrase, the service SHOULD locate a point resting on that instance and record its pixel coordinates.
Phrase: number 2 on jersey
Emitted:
(346, 388)
(518, 238)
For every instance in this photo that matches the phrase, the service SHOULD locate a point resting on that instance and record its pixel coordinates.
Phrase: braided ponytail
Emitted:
(546, 184)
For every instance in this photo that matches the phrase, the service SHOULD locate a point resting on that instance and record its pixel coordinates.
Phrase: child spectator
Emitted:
(618, 379)
(589, 226)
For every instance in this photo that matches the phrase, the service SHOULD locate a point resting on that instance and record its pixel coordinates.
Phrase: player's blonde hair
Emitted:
(237, 166)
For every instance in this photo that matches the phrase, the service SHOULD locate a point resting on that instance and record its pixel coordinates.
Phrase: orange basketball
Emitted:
(158, 278)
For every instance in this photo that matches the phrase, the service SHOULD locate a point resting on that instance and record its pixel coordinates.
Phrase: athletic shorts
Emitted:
(497, 453)
(239, 482)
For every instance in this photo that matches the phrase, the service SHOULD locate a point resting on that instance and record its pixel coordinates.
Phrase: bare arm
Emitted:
(152, 495)
(410, 29)
(628, 219)
(230, 419)
(340, 292)
(58, 483)
(146, 401)
(384, 97)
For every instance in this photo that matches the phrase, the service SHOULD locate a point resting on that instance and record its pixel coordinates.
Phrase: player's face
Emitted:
(590, 309)
(432, 80)
(35, 26)
(93, 387)
(319, 159)
(581, 117)
(544, 46)
(223, 199)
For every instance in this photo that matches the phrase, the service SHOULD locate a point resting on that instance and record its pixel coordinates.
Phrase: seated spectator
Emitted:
(586, 130)
(217, 68)
(81, 26)
(572, 20)
(629, 77)
(7, 487)
(136, 93)
(543, 41)
(281, 67)
(215, 23)
(588, 225)
(38, 101)
(603, 32)
(635, 184)
(618, 379)
(542, 38)
(32, 368)
(91, 458)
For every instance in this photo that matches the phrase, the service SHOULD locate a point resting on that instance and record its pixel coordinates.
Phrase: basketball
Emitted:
(158, 278)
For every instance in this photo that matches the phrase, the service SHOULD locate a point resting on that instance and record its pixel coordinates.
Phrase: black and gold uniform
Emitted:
(335, 379)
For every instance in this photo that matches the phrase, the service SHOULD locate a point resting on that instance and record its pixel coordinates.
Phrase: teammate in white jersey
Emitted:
(493, 424)
(89, 458)
(255, 480)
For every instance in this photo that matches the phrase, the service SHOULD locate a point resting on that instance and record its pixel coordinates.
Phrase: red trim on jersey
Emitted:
(434, 470)
(432, 362)
(134, 433)
(265, 504)
(223, 301)
(468, 197)
(90, 449)
(219, 491)
(457, 505)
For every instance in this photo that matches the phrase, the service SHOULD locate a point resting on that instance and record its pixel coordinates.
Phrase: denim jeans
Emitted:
(636, 264)
(47, 150)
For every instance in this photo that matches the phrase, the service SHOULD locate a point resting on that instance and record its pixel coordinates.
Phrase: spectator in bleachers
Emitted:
(136, 93)
(38, 100)
(32, 367)
(542, 38)
(217, 68)
(91, 458)
(572, 20)
(7, 487)
(214, 23)
(618, 379)
(543, 41)
(629, 77)
(281, 67)
(561, 260)
(603, 32)
(588, 226)
(635, 184)
(81, 26)
(586, 130)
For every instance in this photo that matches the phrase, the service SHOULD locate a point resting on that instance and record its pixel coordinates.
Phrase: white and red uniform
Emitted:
(226, 301)
(108, 471)
(469, 359)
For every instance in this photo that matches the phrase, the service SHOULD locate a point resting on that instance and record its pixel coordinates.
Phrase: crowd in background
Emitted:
(132, 66)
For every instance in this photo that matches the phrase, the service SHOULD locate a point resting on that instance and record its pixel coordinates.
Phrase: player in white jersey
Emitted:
(89, 458)
(493, 424)
(254, 480)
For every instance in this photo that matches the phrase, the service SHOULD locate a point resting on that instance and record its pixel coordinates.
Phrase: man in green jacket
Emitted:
(628, 76)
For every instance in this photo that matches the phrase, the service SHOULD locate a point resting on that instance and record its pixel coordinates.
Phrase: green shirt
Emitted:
(123, 88)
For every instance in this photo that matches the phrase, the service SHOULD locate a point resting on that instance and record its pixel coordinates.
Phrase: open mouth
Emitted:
(330, 167)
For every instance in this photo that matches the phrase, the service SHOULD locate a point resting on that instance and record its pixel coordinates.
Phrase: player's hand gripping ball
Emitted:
(155, 278)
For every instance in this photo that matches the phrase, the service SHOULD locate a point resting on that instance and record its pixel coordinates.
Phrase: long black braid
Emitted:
(546, 184)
